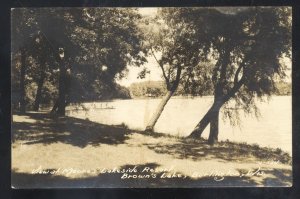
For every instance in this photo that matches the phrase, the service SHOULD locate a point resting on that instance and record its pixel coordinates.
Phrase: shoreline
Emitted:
(39, 159)
(176, 136)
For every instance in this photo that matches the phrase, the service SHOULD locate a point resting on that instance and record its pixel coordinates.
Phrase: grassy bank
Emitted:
(48, 151)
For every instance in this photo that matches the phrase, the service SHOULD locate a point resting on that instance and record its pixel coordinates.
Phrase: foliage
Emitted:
(246, 46)
(99, 41)
(283, 88)
(173, 45)
(158, 89)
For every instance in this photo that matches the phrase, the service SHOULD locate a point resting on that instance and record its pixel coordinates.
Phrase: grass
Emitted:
(40, 140)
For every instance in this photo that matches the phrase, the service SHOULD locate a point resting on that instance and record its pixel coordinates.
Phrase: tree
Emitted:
(110, 40)
(32, 59)
(63, 38)
(45, 57)
(248, 45)
(114, 41)
(174, 41)
(21, 31)
(30, 38)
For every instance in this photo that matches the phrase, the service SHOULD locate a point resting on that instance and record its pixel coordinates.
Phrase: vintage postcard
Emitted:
(151, 97)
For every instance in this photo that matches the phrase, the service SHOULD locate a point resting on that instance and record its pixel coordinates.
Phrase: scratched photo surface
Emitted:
(151, 97)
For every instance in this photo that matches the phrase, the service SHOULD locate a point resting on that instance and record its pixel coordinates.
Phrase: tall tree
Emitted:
(111, 40)
(43, 53)
(172, 44)
(22, 81)
(57, 26)
(22, 30)
(248, 45)
(107, 39)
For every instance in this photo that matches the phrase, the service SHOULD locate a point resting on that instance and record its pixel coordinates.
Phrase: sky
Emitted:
(151, 65)
(133, 71)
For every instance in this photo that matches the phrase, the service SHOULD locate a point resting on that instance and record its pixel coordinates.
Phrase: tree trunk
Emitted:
(212, 115)
(165, 100)
(61, 106)
(214, 128)
(159, 110)
(39, 89)
(55, 106)
(197, 132)
(22, 83)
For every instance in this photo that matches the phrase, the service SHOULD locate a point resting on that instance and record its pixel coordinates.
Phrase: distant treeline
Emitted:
(78, 94)
(148, 89)
(155, 89)
(158, 89)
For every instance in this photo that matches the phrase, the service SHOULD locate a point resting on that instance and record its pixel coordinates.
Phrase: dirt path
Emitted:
(70, 152)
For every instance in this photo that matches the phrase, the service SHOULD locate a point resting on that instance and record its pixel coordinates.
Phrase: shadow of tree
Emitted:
(280, 177)
(139, 179)
(49, 129)
(227, 151)
(46, 129)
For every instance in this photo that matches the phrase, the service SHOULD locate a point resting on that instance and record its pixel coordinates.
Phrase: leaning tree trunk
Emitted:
(214, 128)
(212, 116)
(161, 106)
(40, 87)
(218, 101)
(159, 111)
(22, 83)
(197, 132)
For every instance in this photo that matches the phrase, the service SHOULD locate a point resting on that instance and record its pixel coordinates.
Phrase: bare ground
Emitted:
(68, 152)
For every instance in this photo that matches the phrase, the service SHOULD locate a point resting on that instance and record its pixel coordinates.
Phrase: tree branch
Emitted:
(236, 76)
(162, 68)
(169, 71)
(177, 79)
(237, 83)
(234, 89)
(178, 74)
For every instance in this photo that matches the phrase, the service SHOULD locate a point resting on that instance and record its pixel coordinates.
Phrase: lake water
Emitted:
(272, 129)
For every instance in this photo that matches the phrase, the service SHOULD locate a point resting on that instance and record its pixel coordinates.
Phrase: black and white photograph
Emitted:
(151, 97)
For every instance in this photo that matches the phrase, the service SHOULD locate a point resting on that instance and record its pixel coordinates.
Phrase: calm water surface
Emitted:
(273, 128)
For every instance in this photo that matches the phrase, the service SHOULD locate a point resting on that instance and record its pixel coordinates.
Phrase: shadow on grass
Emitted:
(279, 177)
(186, 148)
(45, 129)
(49, 129)
(139, 179)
